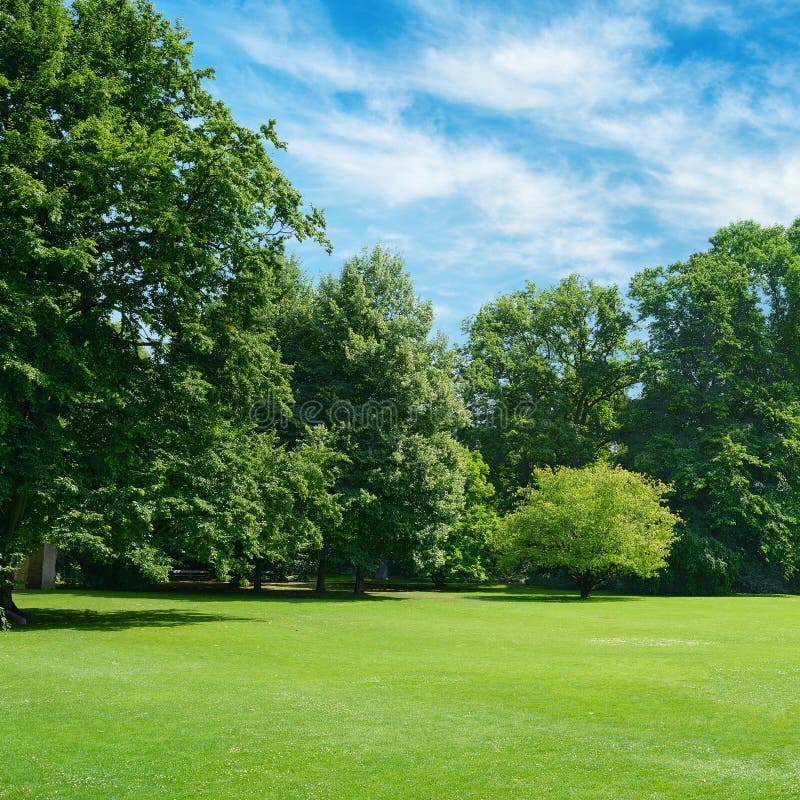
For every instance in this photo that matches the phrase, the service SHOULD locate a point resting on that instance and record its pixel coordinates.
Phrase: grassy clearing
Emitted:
(490, 694)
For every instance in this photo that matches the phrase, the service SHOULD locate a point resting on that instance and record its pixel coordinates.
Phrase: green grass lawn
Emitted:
(490, 694)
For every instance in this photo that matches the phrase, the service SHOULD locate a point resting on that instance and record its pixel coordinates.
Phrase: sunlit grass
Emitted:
(491, 694)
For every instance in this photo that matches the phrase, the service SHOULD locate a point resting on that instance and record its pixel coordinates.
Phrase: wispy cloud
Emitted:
(495, 144)
(575, 63)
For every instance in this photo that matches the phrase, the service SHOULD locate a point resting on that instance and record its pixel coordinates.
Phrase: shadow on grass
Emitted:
(291, 595)
(87, 620)
(117, 619)
(268, 595)
(517, 595)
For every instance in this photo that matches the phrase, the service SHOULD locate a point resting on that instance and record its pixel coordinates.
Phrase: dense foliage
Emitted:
(546, 375)
(719, 411)
(142, 233)
(368, 370)
(173, 388)
(597, 523)
(709, 402)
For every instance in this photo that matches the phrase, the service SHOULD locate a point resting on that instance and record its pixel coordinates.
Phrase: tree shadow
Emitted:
(519, 595)
(305, 595)
(40, 619)
(772, 596)
(119, 619)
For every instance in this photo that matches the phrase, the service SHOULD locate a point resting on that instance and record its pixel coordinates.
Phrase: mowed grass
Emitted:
(489, 694)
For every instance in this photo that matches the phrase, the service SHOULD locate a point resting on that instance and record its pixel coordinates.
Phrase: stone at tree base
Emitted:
(15, 618)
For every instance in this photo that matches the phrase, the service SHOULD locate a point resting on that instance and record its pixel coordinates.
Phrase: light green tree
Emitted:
(597, 523)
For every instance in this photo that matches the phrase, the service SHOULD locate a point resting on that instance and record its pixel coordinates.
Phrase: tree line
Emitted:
(174, 389)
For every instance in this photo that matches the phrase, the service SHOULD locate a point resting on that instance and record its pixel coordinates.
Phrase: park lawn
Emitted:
(487, 694)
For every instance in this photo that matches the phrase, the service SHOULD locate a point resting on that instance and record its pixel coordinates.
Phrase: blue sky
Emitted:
(492, 143)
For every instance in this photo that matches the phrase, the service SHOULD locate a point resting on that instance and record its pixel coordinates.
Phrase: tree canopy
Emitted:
(142, 232)
(719, 410)
(546, 374)
(597, 523)
(367, 368)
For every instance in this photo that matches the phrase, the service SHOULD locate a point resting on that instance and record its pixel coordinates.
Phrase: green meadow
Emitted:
(498, 693)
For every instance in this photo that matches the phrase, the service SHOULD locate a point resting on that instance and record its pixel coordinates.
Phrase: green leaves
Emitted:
(597, 522)
(546, 374)
(142, 233)
(719, 408)
(365, 361)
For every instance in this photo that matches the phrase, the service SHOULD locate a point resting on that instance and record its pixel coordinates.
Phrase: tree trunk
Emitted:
(12, 513)
(10, 516)
(8, 605)
(358, 588)
(439, 581)
(258, 574)
(321, 575)
(587, 583)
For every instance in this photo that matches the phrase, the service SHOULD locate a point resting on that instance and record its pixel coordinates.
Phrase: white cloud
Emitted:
(314, 62)
(725, 16)
(582, 62)
(548, 213)
(686, 145)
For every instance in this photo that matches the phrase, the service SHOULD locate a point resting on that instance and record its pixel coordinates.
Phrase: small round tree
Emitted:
(598, 522)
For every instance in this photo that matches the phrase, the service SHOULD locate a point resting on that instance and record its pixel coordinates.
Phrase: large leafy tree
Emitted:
(546, 374)
(142, 233)
(368, 369)
(597, 523)
(719, 411)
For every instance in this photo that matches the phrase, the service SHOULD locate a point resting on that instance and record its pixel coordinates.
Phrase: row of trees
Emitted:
(174, 389)
(149, 315)
(707, 400)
